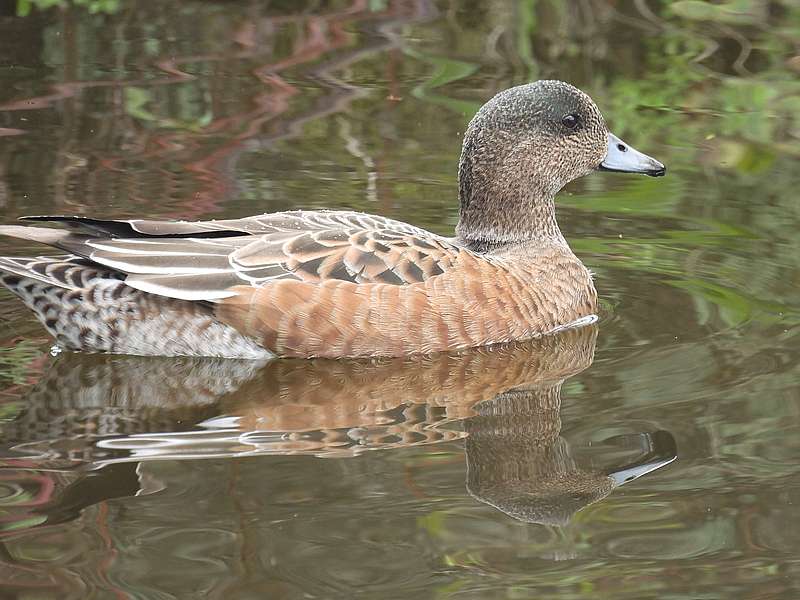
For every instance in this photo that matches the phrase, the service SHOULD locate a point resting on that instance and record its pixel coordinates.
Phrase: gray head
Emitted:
(521, 148)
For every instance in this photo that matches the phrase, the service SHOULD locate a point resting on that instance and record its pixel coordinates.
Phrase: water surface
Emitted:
(490, 474)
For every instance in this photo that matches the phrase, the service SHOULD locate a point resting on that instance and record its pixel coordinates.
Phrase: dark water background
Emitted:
(170, 478)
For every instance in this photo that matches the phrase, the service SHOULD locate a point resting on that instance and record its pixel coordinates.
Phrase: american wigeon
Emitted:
(340, 283)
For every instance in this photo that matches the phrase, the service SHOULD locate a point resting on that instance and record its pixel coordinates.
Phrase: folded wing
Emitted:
(206, 260)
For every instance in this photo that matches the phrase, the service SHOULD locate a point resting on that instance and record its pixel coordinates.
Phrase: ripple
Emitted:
(711, 537)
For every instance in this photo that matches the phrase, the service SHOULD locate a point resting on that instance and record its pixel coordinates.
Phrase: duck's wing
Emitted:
(205, 260)
(293, 220)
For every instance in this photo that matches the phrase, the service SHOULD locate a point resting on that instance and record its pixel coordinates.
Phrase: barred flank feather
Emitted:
(90, 308)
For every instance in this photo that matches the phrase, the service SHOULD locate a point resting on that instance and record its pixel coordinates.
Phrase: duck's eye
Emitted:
(571, 121)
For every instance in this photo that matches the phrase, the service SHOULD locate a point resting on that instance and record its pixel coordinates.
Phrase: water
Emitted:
(126, 477)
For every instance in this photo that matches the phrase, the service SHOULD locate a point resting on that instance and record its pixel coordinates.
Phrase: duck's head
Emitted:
(521, 148)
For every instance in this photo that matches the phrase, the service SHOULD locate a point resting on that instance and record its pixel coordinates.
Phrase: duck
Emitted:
(335, 284)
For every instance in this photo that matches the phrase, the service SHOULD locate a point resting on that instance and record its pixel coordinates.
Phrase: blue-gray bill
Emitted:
(624, 158)
(658, 450)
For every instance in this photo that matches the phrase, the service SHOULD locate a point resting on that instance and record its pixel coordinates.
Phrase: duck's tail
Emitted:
(88, 307)
(38, 280)
(56, 288)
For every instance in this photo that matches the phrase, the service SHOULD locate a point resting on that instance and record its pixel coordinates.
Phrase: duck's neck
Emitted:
(505, 200)
(493, 223)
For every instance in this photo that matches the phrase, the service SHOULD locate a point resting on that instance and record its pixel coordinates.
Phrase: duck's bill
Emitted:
(624, 158)
(623, 476)
(659, 450)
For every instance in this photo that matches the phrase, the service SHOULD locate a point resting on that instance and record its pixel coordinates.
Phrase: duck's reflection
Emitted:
(92, 421)
(518, 462)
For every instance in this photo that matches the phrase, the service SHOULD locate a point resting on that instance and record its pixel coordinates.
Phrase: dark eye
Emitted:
(571, 121)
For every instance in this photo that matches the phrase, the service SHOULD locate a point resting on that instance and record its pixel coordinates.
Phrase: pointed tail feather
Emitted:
(68, 272)
(43, 235)
(58, 238)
